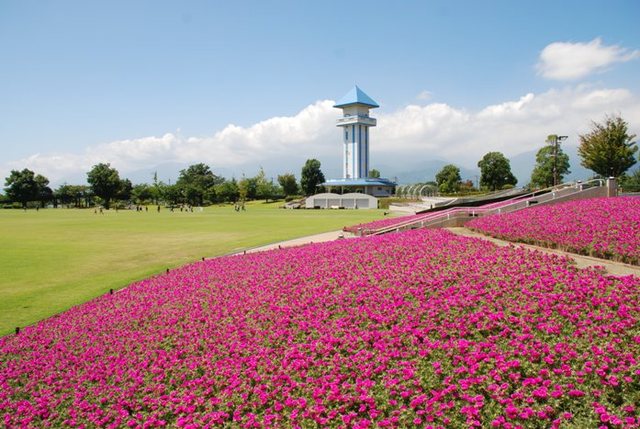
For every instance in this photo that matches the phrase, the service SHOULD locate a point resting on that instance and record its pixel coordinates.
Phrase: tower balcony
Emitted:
(356, 119)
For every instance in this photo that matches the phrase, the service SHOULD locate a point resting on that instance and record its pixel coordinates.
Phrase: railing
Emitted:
(356, 118)
(537, 197)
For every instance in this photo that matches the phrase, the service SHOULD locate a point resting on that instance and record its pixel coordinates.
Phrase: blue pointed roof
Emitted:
(356, 96)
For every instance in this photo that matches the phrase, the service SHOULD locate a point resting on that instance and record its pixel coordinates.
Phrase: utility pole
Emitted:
(555, 140)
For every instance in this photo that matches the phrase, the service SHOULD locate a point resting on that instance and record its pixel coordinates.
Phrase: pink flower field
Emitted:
(415, 329)
(602, 227)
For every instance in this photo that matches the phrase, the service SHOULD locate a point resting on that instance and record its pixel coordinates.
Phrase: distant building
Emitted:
(355, 123)
(341, 201)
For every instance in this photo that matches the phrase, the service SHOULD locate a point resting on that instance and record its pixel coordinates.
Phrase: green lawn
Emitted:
(53, 259)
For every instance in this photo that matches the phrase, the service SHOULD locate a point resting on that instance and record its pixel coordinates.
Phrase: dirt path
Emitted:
(615, 268)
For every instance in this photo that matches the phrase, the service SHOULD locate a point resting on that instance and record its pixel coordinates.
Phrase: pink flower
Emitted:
(423, 325)
(575, 393)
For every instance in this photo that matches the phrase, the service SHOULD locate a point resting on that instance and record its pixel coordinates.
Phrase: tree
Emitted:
(228, 191)
(630, 182)
(448, 179)
(374, 173)
(125, 190)
(160, 191)
(44, 191)
(172, 194)
(105, 182)
(63, 194)
(546, 158)
(142, 193)
(76, 195)
(467, 186)
(197, 184)
(289, 184)
(247, 188)
(311, 177)
(264, 188)
(495, 171)
(157, 188)
(24, 186)
(608, 149)
(83, 196)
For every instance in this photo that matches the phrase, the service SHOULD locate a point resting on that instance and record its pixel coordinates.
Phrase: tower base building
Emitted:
(377, 187)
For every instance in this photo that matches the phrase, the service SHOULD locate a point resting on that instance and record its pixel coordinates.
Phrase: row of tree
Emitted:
(197, 185)
(608, 150)
(495, 173)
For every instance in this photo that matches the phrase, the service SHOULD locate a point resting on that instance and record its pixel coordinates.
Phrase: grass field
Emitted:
(51, 260)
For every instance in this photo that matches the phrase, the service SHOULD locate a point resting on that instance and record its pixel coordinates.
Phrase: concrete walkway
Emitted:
(615, 268)
(317, 238)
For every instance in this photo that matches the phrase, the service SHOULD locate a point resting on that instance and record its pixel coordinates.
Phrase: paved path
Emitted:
(317, 238)
(616, 268)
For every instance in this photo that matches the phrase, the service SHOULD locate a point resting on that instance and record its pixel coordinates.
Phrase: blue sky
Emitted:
(243, 84)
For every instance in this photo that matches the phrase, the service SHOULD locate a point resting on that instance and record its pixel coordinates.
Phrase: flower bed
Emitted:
(415, 329)
(602, 227)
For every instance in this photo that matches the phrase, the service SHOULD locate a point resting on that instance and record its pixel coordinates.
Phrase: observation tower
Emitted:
(355, 123)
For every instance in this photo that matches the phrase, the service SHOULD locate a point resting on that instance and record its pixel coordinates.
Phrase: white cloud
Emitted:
(404, 128)
(306, 132)
(440, 131)
(510, 109)
(403, 138)
(601, 97)
(568, 61)
(424, 95)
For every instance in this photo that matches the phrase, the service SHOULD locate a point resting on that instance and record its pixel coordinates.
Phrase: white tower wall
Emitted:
(355, 150)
